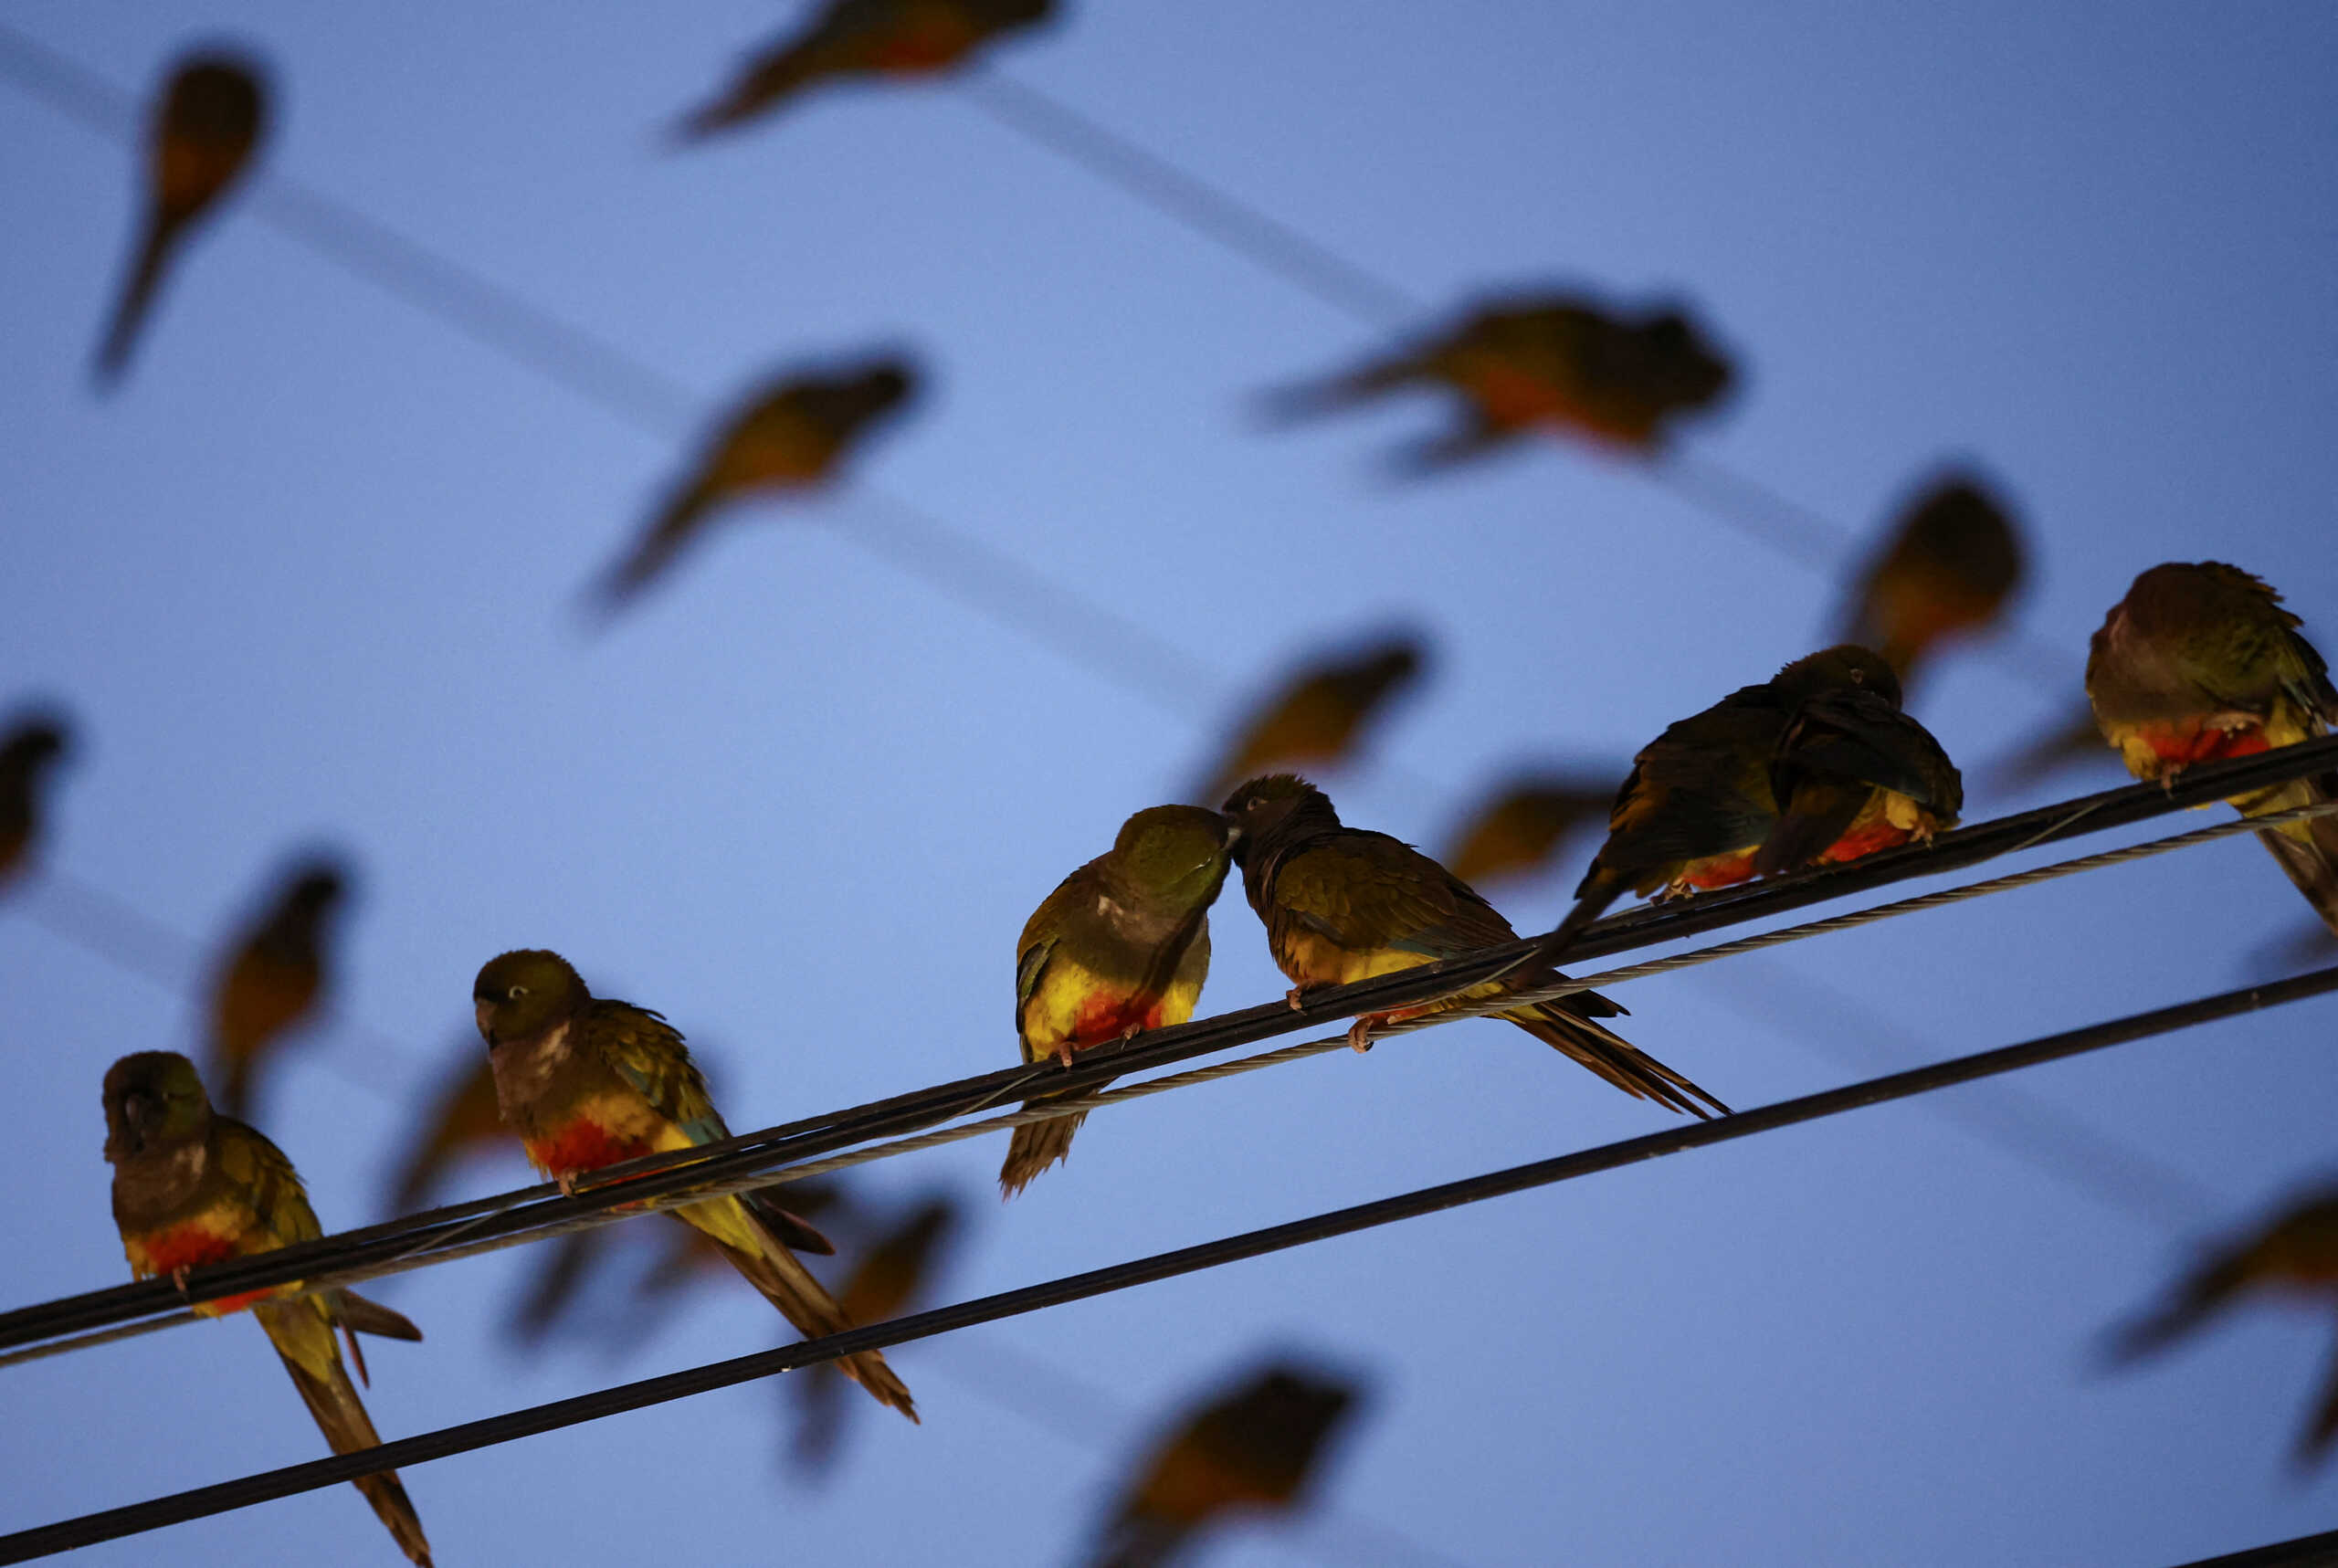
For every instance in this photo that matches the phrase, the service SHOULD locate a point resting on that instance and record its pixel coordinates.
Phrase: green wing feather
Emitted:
(1367, 892)
(648, 1052)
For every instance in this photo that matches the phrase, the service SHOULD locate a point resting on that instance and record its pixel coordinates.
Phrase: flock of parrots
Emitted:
(1817, 765)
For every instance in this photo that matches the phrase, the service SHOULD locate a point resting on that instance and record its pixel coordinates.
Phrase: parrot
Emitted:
(2199, 661)
(1522, 822)
(1316, 715)
(1121, 946)
(464, 1119)
(2073, 737)
(271, 985)
(28, 751)
(212, 117)
(1697, 805)
(587, 1081)
(1853, 775)
(1256, 1446)
(862, 38)
(1340, 905)
(890, 1277)
(192, 1186)
(790, 437)
(1953, 561)
(2296, 1254)
(1556, 362)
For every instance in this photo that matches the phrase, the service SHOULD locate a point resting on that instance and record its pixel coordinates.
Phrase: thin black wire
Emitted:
(470, 1436)
(2306, 1552)
(752, 1154)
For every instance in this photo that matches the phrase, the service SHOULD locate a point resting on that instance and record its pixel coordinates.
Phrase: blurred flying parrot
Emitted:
(1551, 361)
(1121, 946)
(192, 1187)
(2200, 661)
(2296, 1255)
(1256, 1447)
(1952, 563)
(2075, 737)
(1697, 805)
(1318, 712)
(273, 981)
(463, 1120)
(792, 436)
(891, 1277)
(213, 114)
(854, 39)
(1341, 904)
(586, 1081)
(28, 751)
(1853, 775)
(1517, 828)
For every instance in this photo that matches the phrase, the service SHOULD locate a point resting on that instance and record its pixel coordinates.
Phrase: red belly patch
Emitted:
(584, 1146)
(1105, 1016)
(2185, 747)
(191, 1246)
(1861, 841)
(1720, 870)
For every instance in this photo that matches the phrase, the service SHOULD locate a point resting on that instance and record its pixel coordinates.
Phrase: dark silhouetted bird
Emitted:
(1317, 713)
(793, 435)
(274, 981)
(587, 1081)
(1255, 1447)
(2297, 1255)
(1520, 824)
(1121, 946)
(1555, 363)
(1341, 904)
(1852, 775)
(858, 38)
(1951, 563)
(891, 1278)
(28, 751)
(211, 116)
(192, 1187)
(2200, 661)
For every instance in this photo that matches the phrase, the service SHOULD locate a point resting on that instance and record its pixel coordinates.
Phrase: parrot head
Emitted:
(1266, 804)
(320, 887)
(524, 992)
(32, 743)
(1179, 851)
(881, 387)
(1833, 669)
(153, 1099)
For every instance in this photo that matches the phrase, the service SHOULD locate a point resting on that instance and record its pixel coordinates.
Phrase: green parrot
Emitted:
(891, 1277)
(791, 436)
(1853, 775)
(192, 1187)
(1341, 905)
(1514, 830)
(1253, 1448)
(862, 38)
(2296, 1254)
(1548, 361)
(2199, 661)
(1121, 946)
(274, 979)
(211, 118)
(28, 751)
(1951, 564)
(1699, 805)
(1316, 713)
(586, 1081)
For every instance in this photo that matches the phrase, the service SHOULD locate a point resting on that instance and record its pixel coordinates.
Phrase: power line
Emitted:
(797, 1149)
(2306, 1552)
(468, 1436)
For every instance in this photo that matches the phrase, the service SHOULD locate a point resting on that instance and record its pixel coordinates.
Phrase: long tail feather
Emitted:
(1600, 889)
(332, 1401)
(804, 1302)
(2308, 850)
(2195, 1302)
(137, 298)
(1036, 1146)
(1614, 1058)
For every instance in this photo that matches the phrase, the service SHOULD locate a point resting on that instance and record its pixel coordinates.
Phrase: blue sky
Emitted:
(311, 577)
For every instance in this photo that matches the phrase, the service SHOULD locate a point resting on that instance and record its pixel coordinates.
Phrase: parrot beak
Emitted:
(485, 1012)
(140, 1114)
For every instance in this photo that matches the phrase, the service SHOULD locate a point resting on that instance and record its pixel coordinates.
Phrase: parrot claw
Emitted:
(1063, 1055)
(1360, 1033)
(567, 1181)
(178, 1278)
(1295, 997)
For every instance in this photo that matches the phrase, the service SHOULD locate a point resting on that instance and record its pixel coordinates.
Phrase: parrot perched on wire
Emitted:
(1341, 904)
(1699, 805)
(2200, 661)
(273, 981)
(1316, 715)
(1852, 775)
(32, 747)
(1545, 362)
(1951, 564)
(211, 118)
(586, 1081)
(2297, 1254)
(1121, 946)
(896, 1271)
(191, 1187)
(1518, 826)
(862, 38)
(791, 436)
(1256, 1447)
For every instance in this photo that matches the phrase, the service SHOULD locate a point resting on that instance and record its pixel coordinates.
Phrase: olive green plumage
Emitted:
(1341, 904)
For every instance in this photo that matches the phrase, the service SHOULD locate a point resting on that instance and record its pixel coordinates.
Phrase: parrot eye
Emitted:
(518, 992)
